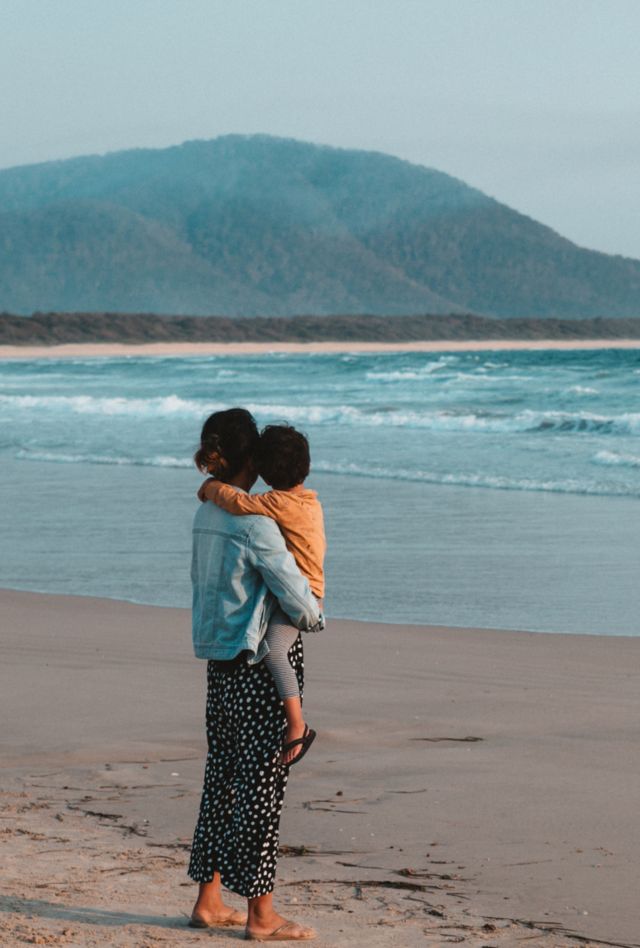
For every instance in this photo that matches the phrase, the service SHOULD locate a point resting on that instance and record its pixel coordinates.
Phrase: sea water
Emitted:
(495, 489)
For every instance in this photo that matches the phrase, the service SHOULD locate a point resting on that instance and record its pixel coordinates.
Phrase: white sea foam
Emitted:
(494, 379)
(61, 457)
(119, 405)
(497, 482)
(401, 375)
(527, 420)
(613, 459)
(582, 390)
(523, 421)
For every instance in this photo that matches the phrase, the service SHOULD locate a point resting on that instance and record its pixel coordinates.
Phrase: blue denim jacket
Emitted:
(240, 567)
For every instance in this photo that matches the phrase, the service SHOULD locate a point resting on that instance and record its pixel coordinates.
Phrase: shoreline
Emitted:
(186, 349)
(405, 624)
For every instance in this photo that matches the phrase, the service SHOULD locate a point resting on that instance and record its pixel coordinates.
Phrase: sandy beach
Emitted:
(467, 786)
(183, 349)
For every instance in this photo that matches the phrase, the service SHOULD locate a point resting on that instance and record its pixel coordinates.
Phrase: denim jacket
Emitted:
(240, 567)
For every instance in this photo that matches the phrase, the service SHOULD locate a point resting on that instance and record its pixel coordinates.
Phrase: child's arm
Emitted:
(235, 502)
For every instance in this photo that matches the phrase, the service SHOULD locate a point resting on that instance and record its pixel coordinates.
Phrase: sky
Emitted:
(535, 102)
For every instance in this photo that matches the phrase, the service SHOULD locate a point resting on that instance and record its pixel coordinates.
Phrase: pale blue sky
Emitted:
(536, 102)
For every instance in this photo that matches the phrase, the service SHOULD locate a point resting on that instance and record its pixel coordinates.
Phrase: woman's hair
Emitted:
(282, 457)
(228, 441)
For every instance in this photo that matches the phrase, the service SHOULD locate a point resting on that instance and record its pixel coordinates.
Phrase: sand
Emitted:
(183, 349)
(467, 786)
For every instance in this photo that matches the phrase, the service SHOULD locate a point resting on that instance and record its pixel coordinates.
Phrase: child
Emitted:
(283, 463)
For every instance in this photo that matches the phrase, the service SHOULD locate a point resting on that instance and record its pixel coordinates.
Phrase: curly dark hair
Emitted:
(228, 440)
(283, 457)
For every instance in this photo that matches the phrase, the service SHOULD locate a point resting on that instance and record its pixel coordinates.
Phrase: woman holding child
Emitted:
(250, 600)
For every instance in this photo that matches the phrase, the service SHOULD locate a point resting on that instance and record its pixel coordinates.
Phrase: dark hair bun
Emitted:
(227, 442)
(208, 457)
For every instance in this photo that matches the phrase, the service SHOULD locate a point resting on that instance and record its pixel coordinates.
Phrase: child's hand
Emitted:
(206, 491)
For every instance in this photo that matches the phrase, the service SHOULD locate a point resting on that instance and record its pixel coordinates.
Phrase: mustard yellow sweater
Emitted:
(297, 512)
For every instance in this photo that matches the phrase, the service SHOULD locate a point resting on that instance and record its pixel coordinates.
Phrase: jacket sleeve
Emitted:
(269, 555)
(237, 502)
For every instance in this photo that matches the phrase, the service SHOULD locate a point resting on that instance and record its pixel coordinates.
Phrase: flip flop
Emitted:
(229, 921)
(290, 931)
(305, 741)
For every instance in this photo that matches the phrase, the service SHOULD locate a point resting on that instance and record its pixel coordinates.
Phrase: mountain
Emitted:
(255, 225)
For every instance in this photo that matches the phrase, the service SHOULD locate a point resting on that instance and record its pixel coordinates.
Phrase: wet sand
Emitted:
(467, 786)
(184, 349)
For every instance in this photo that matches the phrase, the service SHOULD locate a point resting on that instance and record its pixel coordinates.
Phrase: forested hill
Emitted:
(254, 225)
(138, 328)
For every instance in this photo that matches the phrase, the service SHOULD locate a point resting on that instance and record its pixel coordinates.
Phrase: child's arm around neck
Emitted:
(240, 504)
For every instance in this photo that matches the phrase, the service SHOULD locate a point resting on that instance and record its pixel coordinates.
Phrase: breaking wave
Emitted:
(496, 482)
(402, 375)
(61, 457)
(625, 423)
(614, 459)
(117, 405)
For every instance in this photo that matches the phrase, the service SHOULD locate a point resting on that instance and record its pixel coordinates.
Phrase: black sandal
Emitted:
(305, 741)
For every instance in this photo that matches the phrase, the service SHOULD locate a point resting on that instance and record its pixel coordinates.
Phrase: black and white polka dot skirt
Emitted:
(237, 833)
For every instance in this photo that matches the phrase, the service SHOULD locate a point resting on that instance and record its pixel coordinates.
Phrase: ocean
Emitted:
(494, 489)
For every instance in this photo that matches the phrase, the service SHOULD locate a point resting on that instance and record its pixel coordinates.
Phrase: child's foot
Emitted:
(297, 745)
(294, 733)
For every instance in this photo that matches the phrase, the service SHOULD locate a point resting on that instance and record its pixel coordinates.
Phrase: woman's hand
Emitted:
(206, 491)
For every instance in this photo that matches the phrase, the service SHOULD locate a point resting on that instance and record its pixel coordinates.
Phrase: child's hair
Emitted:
(228, 441)
(283, 457)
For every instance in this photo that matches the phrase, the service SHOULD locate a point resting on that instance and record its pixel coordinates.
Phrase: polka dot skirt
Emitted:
(238, 828)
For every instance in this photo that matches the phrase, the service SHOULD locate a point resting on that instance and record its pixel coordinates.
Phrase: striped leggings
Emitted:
(280, 637)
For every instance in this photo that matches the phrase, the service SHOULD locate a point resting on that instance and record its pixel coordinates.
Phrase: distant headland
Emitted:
(107, 333)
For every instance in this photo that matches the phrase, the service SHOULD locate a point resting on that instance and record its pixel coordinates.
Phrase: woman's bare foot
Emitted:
(265, 924)
(210, 911)
(223, 918)
(268, 925)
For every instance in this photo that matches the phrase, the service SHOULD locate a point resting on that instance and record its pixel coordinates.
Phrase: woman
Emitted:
(240, 570)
